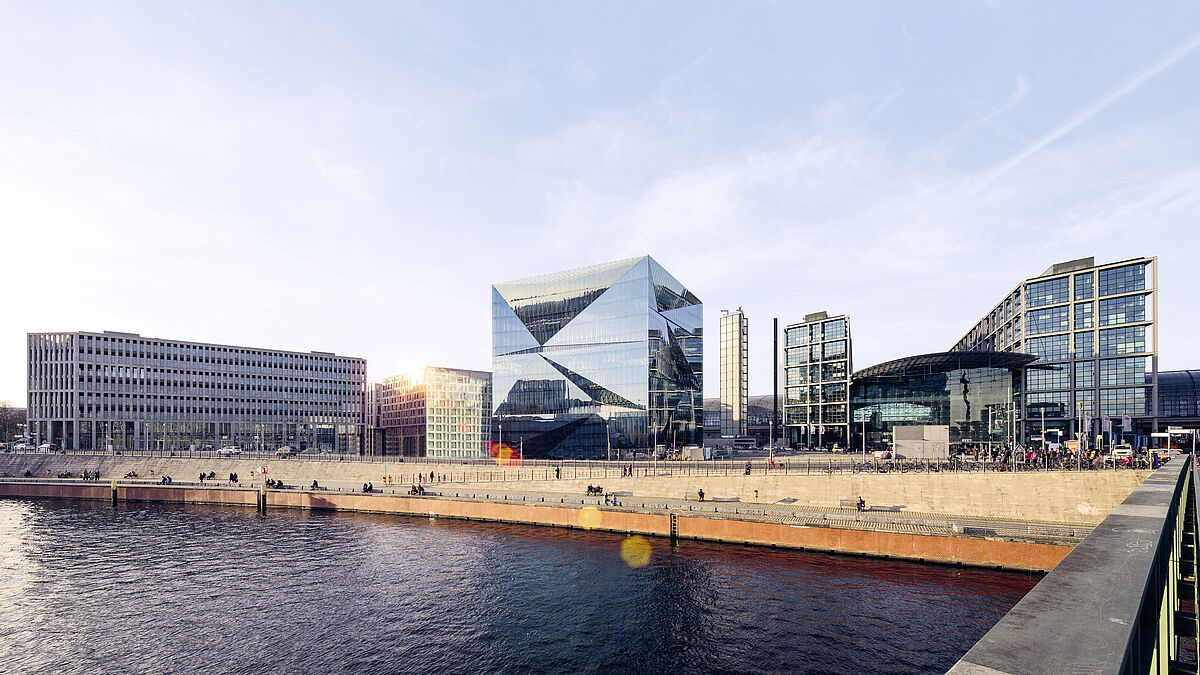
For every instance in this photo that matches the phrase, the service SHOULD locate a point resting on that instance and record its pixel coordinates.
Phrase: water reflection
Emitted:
(170, 589)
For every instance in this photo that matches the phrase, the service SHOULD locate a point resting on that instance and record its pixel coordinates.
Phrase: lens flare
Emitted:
(505, 455)
(590, 517)
(635, 551)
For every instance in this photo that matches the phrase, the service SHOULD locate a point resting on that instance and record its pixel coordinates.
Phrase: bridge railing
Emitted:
(1123, 601)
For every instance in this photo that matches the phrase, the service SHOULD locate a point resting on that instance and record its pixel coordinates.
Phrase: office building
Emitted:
(735, 374)
(1094, 331)
(973, 394)
(373, 419)
(437, 412)
(123, 391)
(600, 356)
(817, 366)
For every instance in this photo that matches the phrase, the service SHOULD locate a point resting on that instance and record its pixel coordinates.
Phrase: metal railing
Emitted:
(1123, 601)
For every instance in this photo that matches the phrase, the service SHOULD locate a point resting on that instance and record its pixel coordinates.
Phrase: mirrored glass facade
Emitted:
(973, 393)
(817, 367)
(600, 355)
(1093, 328)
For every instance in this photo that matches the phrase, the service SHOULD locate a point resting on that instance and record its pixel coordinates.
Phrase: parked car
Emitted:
(48, 447)
(286, 451)
(22, 447)
(229, 452)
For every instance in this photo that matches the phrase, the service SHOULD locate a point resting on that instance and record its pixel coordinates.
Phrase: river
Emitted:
(89, 588)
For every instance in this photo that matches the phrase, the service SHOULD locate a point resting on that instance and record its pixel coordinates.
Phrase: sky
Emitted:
(353, 176)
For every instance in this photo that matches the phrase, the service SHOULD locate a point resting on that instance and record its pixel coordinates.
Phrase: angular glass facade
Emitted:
(610, 353)
(973, 393)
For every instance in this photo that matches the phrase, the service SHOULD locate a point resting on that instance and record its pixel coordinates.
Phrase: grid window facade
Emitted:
(817, 378)
(1123, 279)
(1052, 292)
(124, 391)
(735, 378)
(1128, 340)
(1085, 374)
(1049, 377)
(1085, 315)
(1050, 320)
(1049, 348)
(1117, 372)
(1133, 402)
(1125, 309)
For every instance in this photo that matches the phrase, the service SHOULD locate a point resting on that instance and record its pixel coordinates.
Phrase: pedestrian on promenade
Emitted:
(202, 478)
(860, 503)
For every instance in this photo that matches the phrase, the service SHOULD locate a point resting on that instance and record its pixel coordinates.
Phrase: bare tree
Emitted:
(12, 420)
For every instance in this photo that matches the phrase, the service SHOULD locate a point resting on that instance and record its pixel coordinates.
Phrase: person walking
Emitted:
(860, 503)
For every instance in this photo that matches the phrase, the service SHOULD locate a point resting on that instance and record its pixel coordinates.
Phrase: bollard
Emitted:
(114, 492)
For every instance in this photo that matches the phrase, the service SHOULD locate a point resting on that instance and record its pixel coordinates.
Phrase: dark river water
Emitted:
(88, 588)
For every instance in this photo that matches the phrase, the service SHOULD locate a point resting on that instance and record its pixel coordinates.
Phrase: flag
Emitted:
(1126, 423)
(1087, 422)
(1105, 423)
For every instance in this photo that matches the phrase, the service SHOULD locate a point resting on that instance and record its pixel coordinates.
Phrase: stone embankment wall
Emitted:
(1013, 555)
(1067, 497)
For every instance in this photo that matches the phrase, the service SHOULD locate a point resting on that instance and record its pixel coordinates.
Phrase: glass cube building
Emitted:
(1094, 330)
(602, 356)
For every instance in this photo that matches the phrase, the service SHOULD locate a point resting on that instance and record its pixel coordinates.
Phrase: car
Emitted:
(1122, 452)
(286, 451)
(22, 447)
(48, 447)
(229, 452)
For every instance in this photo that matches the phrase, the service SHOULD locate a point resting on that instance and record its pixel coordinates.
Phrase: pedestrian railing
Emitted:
(1123, 601)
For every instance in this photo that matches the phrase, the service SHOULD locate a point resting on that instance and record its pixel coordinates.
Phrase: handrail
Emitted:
(1118, 602)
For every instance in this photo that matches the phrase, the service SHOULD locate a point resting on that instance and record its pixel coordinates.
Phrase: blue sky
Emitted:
(352, 177)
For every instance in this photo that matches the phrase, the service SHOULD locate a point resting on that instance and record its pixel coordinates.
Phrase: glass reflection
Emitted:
(610, 353)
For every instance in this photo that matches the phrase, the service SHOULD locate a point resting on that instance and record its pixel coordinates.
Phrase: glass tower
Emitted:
(735, 373)
(1094, 331)
(817, 367)
(602, 356)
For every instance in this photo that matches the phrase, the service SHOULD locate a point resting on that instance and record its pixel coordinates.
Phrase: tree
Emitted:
(12, 420)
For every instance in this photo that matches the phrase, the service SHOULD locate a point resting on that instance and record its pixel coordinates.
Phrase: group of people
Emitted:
(368, 487)
(594, 490)
(277, 484)
(417, 489)
(631, 472)
(211, 475)
(431, 477)
(165, 480)
(91, 475)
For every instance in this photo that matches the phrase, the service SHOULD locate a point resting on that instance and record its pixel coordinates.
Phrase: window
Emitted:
(1123, 279)
(835, 349)
(1049, 292)
(1050, 348)
(1087, 399)
(1085, 345)
(797, 356)
(1114, 402)
(835, 329)
(1130, 340)
(833, 371)
(1049, 377)
(1085, 374)
(1083, 286)
(1115, 372)
(1047, 320)
(1083, 315)
(1056, 404)
(1122, 310)
(796, 336)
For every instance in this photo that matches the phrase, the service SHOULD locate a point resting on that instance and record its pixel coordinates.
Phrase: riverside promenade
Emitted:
(1022, 521)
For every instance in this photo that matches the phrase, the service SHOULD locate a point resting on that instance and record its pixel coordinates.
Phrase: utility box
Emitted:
(921, 441)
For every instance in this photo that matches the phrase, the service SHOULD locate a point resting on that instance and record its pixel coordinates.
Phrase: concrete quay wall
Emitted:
(1066, 497)
(1003, 554)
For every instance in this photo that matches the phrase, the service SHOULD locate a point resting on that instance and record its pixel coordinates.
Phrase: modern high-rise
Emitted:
(437, 412)
(1094, 330)
(372, 415)
(603, 356)
(735, 373)
(124, 391)
(818, 362)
